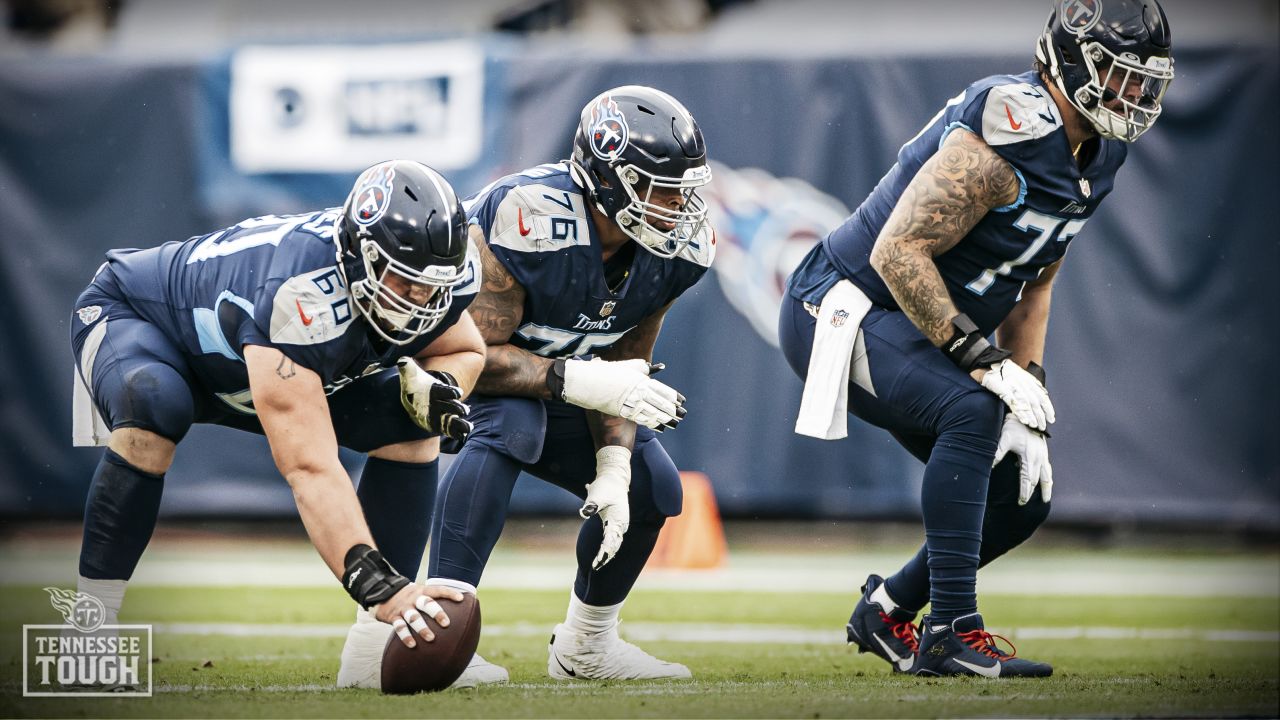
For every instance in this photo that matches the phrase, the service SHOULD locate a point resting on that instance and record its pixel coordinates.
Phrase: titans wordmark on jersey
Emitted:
(538, 226)
(985, 272)
(269, 281)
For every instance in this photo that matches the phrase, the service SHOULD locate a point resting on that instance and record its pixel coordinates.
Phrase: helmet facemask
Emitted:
(637, 218)
(1105, 99)
(395, 318)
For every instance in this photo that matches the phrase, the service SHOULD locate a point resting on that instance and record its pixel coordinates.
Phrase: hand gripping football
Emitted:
(432, 666)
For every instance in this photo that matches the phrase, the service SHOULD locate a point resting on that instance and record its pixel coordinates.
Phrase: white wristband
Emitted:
(613, 457)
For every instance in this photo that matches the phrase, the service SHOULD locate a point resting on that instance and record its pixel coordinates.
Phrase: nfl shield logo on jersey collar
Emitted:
(607, 308)
(1085, 188)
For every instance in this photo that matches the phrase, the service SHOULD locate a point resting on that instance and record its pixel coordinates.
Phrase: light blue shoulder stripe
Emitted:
(946, 131)
(208, 332)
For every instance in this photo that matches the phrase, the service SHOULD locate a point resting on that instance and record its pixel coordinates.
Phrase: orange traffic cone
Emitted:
(694, 539)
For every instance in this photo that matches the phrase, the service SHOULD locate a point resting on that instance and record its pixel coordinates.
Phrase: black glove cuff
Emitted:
(968, 349)
(444, 377)
(1037, 372)
(555, 379)
(369, 578)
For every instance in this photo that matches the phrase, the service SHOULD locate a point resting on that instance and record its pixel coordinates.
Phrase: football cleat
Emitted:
(879, 626)
(964, 647)
(361, 665)
(481, 672)
(604, 656)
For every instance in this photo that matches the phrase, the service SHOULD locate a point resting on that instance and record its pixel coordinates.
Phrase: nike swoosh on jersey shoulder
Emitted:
(1018, 112)
(319, 295)
(540, 218)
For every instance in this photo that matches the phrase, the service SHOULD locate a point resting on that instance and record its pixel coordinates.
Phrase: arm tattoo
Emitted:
(610, 430)
(497, 311)
(950, 194)
(286, 368)
(500, 305)
(509, 370)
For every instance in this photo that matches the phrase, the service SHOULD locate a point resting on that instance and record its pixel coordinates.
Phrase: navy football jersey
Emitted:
(269, 281)
(986, 270)
(538, 226)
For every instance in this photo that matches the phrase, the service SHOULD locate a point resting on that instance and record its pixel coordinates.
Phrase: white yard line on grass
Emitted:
(1082, 574)
(697, 633)
(309, 688)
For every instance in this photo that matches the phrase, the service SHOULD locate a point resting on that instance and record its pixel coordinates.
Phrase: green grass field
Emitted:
(1114, 656)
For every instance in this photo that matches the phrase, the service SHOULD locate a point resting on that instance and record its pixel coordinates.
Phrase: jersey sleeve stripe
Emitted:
(1022, 193)
(946, 131)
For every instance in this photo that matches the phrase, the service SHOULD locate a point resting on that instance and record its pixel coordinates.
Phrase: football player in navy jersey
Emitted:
(890, 315)
(340, 327)
(582, 259)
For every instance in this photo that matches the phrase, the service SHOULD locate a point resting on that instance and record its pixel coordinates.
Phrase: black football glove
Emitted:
(434, 400)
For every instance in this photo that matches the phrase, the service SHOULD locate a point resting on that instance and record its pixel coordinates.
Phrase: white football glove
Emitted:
(1022, 392)
(1032, 450)
(623, 389)
(607, 497)
(433, 399)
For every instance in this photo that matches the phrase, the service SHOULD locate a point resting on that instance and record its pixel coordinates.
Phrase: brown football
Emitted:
(433, 666)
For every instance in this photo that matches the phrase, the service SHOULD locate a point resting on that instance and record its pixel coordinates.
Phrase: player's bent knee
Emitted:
(412, 451)
(664, 495)
(156, 399)
(145, 450)
(978, 413)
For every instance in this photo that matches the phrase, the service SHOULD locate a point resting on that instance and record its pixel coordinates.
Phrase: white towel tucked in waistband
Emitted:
(88, 429)
(824, 405)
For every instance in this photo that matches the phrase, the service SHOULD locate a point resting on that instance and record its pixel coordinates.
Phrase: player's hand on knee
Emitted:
(621, 388)
(433, 399)
(1026, 397)
(1032, 449)
(408, 609)
(607, 497)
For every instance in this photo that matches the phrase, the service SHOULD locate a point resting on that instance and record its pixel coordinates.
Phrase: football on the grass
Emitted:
(433, 666)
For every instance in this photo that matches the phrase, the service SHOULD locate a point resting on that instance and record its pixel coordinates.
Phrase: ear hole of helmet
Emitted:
(600, 179)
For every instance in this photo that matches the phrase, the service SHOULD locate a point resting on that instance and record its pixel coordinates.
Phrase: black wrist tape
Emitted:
(369, 578)
(968, 349)
(1037, 372)
(555, 379)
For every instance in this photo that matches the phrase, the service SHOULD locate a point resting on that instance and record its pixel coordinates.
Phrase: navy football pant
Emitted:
(139, 377)
(551, 441)
(952, 424)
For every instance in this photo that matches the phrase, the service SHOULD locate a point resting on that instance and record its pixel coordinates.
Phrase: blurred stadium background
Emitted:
(136, 122)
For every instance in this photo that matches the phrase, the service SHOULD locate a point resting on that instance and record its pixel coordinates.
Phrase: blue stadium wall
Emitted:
(1160, 349)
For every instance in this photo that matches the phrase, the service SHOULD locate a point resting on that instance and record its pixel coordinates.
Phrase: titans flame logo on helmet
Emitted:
(374, 193)
(608, 129)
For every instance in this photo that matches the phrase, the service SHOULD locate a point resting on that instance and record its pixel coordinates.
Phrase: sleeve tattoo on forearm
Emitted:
(950, 194)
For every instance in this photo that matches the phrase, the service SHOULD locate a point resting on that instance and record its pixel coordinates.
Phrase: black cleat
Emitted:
(879, 626)
(964, 647)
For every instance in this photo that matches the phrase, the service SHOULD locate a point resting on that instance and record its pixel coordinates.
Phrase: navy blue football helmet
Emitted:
(402, 219)
(1111, 58)
(639, 156)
